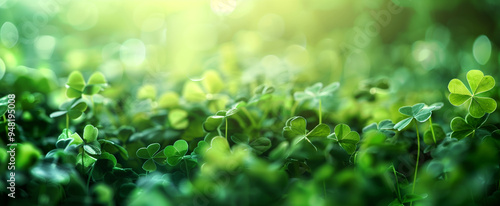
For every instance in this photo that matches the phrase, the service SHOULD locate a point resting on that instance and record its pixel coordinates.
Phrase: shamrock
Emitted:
(76, 85)
(151, 154)
(467, 127)
(419, 112)
(478, 83)
(175, 153)
(316, 91)
(295, 128)
(346, 138)
(73, 109)
(385, 126)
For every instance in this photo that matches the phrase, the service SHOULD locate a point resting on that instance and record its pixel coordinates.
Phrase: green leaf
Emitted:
(111, 147)
(328, 90)
(481, 105)
(212, 123)
(439, 134)
(192, 92)
(175, 153)
(346, 138)
(478, 83)
(413, 197)
(295, 127)
(76, 81)
(4, 101)
(57, 114)
(142, 153)
(92, 149)
(97, 78)
(261, 145)
(403, 123)
(321, 130)
(149, 165)
(178, 119)
(212, 82)
(153, 149)
(240, 138)
(90, 133)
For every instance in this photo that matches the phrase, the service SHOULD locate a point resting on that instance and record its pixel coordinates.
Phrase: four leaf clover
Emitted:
(478, 83)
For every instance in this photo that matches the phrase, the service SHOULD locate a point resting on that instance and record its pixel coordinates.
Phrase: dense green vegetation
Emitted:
(249, 102)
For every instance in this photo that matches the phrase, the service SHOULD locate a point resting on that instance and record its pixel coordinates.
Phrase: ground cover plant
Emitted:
(250, 103)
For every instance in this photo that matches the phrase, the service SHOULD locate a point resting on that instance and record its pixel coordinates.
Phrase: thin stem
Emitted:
(67, 124)
(432, 130)
(319, 111)
(416, 164)
(187, 170)
(88, 179)
(250, 117)
(397, 183)
(6, 125)
(226, 127)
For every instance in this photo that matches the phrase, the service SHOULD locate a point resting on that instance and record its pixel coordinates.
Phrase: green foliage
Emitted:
(152, 155)
(478, 84)
(467, 127)
(73, 108)
(346, 138)
(419, 112)
(316, 91)
(434, 135)
(175, 153)
(76, 85)
(295, 130)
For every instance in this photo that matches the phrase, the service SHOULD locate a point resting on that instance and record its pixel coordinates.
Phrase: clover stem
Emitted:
(432, 130)
(6, 125)
(88, 180)
(187, 170)
(83, 163)
(319, 111)
(226, 127)
(416, 164)
(250, 117)
(67, 124)
(397, 182)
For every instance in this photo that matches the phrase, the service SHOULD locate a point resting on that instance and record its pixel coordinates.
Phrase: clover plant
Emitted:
(152, 155)
(315, 93)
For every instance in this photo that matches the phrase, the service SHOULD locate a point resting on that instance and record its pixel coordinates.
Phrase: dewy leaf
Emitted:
(90, 133)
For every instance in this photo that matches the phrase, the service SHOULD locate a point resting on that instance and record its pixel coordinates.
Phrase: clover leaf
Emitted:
(419, 112)
(295, 128)
(4, 101)
(175, 153)
(152, 155)
(478, 83)
(467, 127)
(385, 126)
(346, 138)
(438, 134)
(259, 145)
(316, 91)
(178, 119)
(213, 122)
(73, 108)
(76, 85)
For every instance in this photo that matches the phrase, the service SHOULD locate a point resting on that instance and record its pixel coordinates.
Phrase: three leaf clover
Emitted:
(478, 83)
(76, 85)
(73, 109)
(316, 91)
(385, 126)
(151, 154)
(346, 138)
(467, 127)
(295, 128)
(419, 112)
(175, 153)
